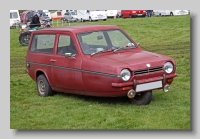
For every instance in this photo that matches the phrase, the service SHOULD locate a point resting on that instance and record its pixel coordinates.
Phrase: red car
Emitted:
(133, 13)
(96, 60)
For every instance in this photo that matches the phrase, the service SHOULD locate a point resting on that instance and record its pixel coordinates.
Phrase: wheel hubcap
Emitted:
(41, 87)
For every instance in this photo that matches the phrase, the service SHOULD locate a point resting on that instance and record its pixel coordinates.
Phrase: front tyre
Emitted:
(142, 98)
(43, 87)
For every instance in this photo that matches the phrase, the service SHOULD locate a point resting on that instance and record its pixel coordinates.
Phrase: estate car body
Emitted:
(96, 60)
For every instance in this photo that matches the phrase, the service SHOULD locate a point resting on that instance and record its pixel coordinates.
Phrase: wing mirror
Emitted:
(70, 55)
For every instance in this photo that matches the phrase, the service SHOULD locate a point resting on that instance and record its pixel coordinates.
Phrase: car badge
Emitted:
(148, 65)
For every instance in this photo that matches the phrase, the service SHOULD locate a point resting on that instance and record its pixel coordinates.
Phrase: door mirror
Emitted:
(68, 55)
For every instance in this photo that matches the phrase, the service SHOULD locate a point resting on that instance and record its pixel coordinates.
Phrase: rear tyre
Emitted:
(142, 98)
(24, 38)
(43, 87)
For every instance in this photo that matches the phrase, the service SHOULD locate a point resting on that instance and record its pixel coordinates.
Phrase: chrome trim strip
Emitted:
(78, 70)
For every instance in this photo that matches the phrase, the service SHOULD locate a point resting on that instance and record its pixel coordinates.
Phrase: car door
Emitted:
(66, 71)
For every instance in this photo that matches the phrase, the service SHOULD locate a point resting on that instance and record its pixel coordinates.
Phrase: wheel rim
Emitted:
(41, 87)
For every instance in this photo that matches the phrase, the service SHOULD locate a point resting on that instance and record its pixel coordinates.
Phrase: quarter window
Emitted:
(43, 43)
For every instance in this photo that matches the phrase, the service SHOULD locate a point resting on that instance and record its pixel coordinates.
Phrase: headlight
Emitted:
(168, 67)
(125, 74)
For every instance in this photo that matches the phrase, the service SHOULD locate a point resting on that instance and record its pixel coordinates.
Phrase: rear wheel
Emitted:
(44, 89)
(24, 38)
(171, 14)
(142, 98)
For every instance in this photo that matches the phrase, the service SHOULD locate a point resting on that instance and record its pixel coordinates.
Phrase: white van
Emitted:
(91, 15)
(14, 17)
(111, 13)
(170, 12)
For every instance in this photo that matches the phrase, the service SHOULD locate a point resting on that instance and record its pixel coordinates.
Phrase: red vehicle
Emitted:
(26, 16)
(96, 60)
(133, 13)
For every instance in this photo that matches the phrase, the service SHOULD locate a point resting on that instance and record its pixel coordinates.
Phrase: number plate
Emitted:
(148, 86)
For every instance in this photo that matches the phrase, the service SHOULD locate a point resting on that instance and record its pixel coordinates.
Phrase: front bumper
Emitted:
(166, 79)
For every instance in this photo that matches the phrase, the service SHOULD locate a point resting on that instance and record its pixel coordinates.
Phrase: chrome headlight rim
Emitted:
(168, 67)
(125, 75)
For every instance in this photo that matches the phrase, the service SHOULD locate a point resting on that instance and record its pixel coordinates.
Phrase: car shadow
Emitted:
(94, 99)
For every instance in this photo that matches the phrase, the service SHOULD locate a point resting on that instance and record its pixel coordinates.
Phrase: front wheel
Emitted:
(44, 89)
(142, 98)
(24, 38)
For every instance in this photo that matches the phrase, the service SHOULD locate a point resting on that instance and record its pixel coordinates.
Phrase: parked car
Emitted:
(170, 12)
(96, 60)
(111, 13)
(133, 13)
(70, 16)
(91, 15)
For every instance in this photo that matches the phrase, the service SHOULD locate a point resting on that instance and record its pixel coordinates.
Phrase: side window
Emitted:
(43, 43)
(65, 45)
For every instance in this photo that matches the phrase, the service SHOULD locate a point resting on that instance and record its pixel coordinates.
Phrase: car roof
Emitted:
(78, 28)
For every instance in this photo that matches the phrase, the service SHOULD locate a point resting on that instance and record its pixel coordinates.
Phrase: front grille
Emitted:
(150, 70)
(155, 69)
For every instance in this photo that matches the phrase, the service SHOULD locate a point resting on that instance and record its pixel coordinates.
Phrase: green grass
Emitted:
(165, 35)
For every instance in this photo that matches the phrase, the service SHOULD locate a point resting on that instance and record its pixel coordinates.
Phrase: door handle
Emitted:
(52, 60)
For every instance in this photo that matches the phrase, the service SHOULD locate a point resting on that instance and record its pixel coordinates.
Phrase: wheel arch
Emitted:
(40, 72)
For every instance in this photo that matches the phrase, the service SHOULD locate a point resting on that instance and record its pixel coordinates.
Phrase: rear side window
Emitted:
(43, 43)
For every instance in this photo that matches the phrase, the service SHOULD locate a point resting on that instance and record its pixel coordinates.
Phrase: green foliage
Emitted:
(165, 35)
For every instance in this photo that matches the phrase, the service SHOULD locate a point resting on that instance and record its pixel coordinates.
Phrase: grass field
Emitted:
(165, 35)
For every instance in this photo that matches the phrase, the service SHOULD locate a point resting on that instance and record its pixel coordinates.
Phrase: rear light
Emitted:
(133, 11)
